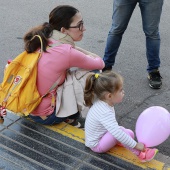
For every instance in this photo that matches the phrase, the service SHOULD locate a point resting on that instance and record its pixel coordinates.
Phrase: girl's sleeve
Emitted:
(79, 59)
(110, 123)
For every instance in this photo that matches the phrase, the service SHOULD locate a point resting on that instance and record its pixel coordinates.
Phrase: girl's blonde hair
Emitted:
(99, 84)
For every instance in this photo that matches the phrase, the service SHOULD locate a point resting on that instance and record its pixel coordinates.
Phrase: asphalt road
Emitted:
(17, 17)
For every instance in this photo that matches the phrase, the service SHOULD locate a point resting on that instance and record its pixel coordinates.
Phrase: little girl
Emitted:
(102, 131)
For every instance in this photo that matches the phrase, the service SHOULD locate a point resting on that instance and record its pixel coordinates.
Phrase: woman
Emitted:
(60, 54)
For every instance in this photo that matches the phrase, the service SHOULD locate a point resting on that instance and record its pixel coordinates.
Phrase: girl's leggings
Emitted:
(108, 141)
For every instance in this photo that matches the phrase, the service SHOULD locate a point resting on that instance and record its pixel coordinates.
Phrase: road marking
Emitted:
(118, 151)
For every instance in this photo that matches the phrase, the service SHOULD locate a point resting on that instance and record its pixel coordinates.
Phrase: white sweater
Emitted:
(101, 119)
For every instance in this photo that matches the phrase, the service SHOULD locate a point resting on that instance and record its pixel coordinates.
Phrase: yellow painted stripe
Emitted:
(69, 131)
(126, 155)
(120, 152)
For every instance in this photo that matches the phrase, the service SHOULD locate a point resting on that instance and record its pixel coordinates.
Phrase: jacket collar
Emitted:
(63, 38)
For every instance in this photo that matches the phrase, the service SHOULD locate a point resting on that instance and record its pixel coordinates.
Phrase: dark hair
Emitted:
(61, 16)
(98, 84)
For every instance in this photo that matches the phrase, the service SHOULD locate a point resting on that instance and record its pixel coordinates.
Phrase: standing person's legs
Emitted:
(108, 141)
(122, 11)
(151, 12)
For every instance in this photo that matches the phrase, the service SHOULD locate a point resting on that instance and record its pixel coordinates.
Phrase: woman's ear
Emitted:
(63, 30)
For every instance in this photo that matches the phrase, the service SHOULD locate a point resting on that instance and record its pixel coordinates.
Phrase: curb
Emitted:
(119, 152)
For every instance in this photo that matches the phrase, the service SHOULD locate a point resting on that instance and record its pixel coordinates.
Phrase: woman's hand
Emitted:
(140, 146)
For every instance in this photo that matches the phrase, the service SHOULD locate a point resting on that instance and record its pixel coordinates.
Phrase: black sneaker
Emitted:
(107, 68)
(154, 78)
(79, 122)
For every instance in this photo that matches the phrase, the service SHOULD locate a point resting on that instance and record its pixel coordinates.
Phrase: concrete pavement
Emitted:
(17, 17)
(25, 145)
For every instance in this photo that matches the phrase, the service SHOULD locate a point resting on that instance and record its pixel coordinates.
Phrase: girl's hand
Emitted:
(2, 112)
(140, 146)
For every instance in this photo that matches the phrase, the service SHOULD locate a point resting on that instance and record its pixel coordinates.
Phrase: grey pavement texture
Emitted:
(18, 16)
(25, 145)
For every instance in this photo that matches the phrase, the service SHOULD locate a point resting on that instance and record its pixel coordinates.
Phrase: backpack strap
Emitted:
(57, 82)
(52, 88)
(41, 50)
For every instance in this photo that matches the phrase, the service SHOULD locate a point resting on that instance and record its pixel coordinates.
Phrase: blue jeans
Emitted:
(52, 119)
(122, 11)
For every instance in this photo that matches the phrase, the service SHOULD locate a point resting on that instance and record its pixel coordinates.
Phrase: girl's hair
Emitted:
(99, 84)
(61, 16)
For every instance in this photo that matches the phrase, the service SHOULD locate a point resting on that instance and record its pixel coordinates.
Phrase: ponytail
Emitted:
(32, 42)
(89, 91)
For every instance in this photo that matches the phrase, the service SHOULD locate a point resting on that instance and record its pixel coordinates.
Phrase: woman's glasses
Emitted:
(80, 26)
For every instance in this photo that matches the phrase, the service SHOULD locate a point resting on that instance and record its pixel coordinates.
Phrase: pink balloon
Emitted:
(153, 126)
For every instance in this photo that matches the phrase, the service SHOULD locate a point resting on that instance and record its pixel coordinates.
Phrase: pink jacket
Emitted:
(54, 63)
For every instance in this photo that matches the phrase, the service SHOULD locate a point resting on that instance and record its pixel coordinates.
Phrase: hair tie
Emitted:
(96, 75)
(49, 25)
